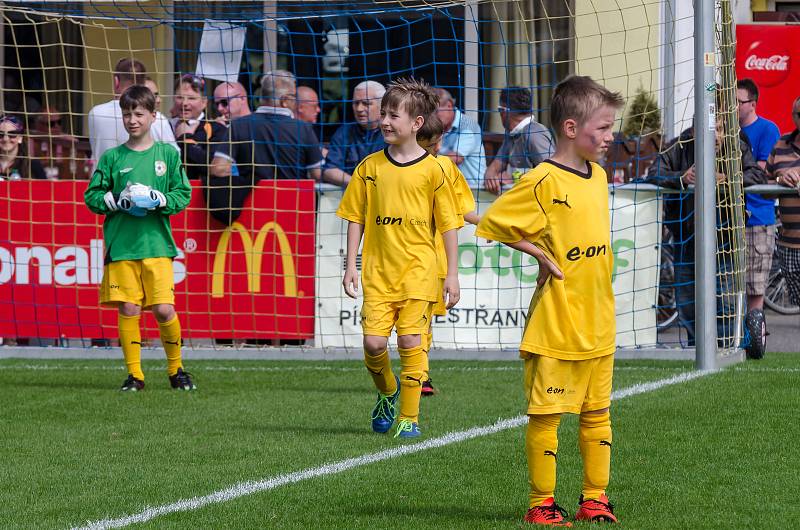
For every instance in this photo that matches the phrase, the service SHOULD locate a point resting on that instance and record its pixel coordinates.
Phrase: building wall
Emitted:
(107, 41)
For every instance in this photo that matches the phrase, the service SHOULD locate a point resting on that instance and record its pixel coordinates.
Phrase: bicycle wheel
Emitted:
(776, 296)
(666, 308)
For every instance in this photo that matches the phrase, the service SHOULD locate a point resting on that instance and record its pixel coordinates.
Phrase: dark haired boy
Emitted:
(137, 186)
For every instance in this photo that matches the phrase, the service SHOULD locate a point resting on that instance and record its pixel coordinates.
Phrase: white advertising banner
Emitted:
(497, 282)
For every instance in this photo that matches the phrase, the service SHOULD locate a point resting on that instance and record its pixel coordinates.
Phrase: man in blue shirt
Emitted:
(462, 140)
(760, 226)
(268, 144)
(353, 141)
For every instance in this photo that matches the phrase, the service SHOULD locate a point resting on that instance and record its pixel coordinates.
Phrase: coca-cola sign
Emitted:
(774, 62)
(767, 63)
(767, 54)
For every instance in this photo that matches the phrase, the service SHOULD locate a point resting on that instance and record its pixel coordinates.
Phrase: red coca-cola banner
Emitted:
(770, 56)
(254, 279)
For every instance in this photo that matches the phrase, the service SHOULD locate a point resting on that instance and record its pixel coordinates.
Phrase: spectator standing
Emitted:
(48, 143)
(528, 143)
(674, 168)
(149, 83)
(784, 166)
(267, 144)
(462, 141)
(307, 108)
(352, 142)
(14, 164)
(194, 133)
(760, 224)
(105, 120)
(230, 100)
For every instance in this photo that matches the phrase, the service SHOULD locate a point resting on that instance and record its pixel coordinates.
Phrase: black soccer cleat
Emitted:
(182, 380)
(132, 384)
(427, 388)
(756, 326)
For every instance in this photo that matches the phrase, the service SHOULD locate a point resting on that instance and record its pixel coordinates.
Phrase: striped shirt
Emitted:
(786, 154)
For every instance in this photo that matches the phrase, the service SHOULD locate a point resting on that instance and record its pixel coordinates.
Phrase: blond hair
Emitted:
(578, 97)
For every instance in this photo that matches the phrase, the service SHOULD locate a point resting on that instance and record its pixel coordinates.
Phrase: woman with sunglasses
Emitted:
(14, 162)
(193, 131)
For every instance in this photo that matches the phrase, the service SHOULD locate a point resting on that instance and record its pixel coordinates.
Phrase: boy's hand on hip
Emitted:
(452, 291)
(350, 282)
(546, 269)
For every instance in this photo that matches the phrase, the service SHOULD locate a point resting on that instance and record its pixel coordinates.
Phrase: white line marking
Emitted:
(251, 487)
(320, 368)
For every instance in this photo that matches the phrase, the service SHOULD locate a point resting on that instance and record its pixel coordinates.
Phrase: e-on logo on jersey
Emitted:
(381, 220)
(576, 253)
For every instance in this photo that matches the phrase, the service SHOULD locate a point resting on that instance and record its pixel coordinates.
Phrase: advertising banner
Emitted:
(497, 282)
(254, 279)
(767, 54)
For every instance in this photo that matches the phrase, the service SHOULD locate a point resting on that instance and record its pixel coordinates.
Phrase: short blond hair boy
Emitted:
(558, 213)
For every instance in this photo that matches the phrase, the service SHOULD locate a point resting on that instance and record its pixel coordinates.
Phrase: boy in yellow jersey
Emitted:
(558, 213)
(137, 186)
(394, 199)
(429, 138)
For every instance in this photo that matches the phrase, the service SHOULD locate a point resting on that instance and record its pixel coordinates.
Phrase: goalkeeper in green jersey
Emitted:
(137, 186)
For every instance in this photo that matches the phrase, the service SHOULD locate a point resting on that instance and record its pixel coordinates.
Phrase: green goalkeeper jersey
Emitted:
(127, 237)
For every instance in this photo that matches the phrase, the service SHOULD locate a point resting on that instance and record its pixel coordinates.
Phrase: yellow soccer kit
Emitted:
(144, 282)
(399, 204)
(465, 203)
(565, 213)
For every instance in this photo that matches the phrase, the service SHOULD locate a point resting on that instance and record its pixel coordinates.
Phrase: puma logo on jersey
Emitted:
(564, 202)
(550, 453)
(176, 343)
(605, 442)
(371, 179)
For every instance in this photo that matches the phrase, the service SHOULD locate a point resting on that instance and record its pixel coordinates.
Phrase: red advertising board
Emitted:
(254, 279)
(770, 56)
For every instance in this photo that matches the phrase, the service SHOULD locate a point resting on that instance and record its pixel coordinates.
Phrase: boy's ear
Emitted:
(569, 128)
(418, 122)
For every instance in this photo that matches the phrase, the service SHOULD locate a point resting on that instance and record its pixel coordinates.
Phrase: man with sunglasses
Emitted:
(760, 224)
(527, 144)
(230, 100)
(105, 120)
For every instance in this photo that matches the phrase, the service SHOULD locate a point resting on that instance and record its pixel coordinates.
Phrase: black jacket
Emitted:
(673, 162)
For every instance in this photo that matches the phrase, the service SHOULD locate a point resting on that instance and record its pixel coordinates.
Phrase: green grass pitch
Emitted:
(719, 451)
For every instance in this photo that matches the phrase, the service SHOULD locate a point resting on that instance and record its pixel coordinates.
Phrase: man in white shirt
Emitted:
(105, 120)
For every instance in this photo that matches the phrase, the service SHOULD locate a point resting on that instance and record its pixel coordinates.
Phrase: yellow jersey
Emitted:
(565, 213)
(465, 204)
(399, 204)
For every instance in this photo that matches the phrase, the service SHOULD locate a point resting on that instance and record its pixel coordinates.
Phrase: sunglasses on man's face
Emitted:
(10, 134)
(226, 101)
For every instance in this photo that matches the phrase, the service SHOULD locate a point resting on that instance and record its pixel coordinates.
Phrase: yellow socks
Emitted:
(414, 362)
(171, 340)
(130, 338)
(428, 342)
(594, 438)
(380, 368)
(541, 446)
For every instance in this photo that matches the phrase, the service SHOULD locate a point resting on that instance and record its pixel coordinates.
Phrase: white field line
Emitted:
(306, 367)
(248, 488)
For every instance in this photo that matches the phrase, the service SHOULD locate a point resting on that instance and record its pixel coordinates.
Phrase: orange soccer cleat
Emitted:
(596, 510)
(549, 513)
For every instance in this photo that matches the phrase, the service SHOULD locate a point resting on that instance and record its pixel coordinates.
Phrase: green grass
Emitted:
(715, 452)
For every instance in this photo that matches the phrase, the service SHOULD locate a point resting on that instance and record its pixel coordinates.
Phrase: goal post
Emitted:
(673, 63)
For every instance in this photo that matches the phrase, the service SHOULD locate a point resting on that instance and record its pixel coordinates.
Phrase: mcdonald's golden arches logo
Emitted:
(253, 252)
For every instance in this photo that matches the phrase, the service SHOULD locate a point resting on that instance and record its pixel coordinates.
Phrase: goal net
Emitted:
(273, 276)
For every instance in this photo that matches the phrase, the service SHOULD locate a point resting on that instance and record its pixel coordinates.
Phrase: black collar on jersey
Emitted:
(586, 175)
(402, 164)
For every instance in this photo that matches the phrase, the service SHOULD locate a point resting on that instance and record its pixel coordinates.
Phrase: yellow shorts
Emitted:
(555, 385)
(143, 282)
(410, 317)
(439, 307)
